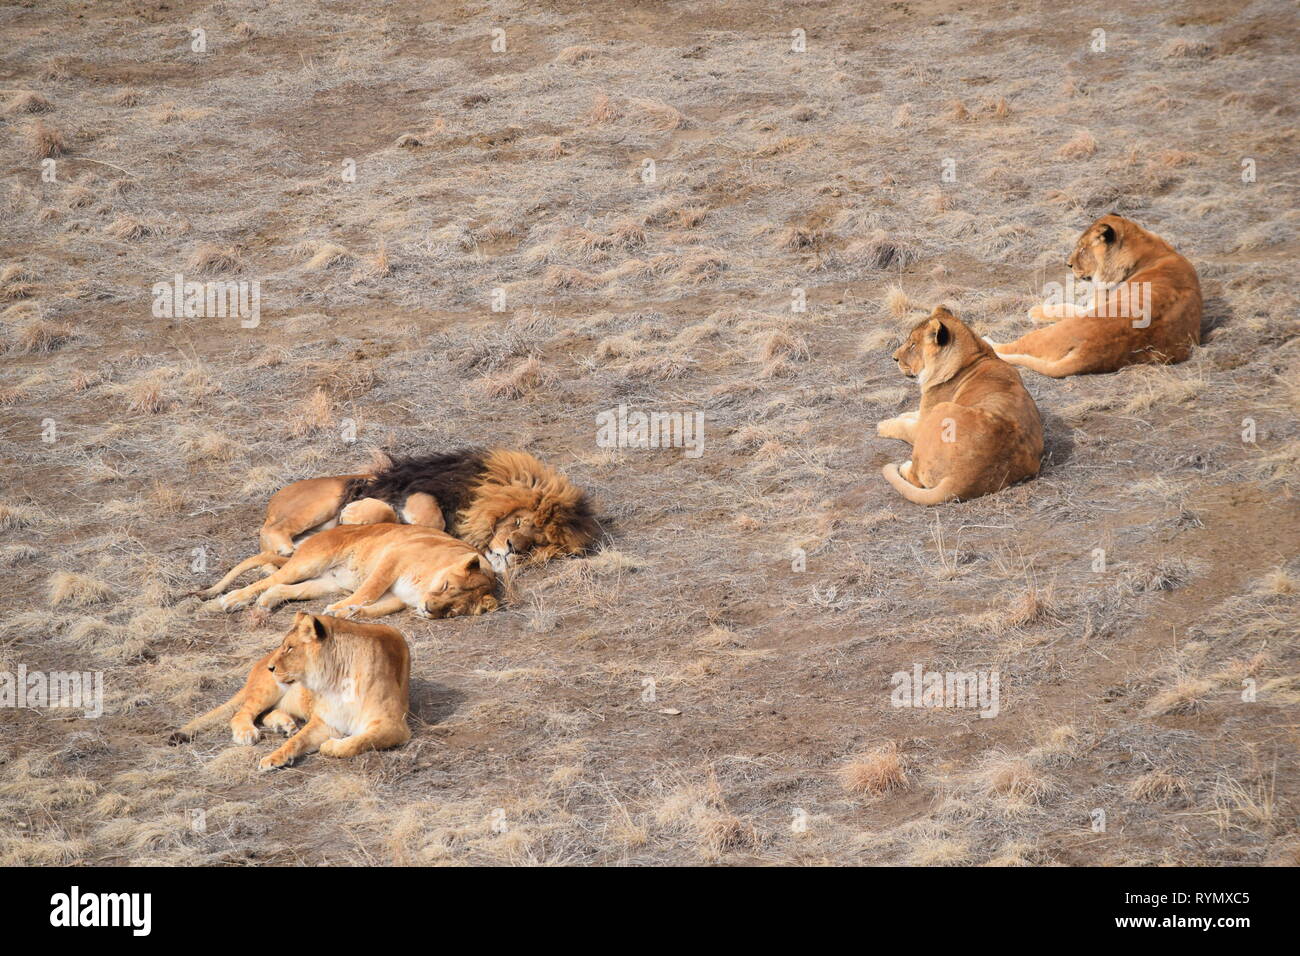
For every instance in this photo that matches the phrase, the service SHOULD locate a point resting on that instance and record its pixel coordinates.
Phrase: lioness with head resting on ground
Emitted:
(1146, 310)
(977, 430)
(383, 568)
(349, 681)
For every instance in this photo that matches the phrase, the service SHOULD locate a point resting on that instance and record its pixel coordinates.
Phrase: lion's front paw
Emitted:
(882, 428)
(334, 747)
(228, 602)
(1039, 314)
(343, 610)
(281, 724)
(273, 761)
(245, 735)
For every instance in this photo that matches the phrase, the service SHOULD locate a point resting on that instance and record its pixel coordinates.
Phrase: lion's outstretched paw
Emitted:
(245, 735)
(273, 761)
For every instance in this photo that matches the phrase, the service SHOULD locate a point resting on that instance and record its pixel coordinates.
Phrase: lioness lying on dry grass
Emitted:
(349, 681)
(977, 430)
(385, 567)
(1147, 309)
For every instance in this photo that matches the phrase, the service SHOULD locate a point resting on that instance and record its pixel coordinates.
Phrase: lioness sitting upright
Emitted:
(387, 567)
(977, 430)
(1147, 307)
(350, 682)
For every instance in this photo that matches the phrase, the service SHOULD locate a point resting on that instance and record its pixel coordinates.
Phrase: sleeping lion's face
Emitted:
(463, 589)
(513, 537)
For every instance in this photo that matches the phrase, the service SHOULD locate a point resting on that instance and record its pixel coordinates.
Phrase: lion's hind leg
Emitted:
(378, 735)
(422, 508)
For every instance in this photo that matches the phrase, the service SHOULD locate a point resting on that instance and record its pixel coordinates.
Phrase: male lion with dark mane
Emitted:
(506, 504)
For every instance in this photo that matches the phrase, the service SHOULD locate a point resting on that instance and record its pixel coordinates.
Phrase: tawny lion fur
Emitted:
(1147, 309)
(349, 681)
(385, 567)
(507, 504)
(977, 429)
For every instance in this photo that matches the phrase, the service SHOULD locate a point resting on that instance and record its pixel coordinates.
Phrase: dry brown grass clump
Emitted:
(67, 589)
(660, 116)
(26, 101)
(602, 110)
(315, 415)
(880, 250)
(1158, 786)
(209, 259)
(1185, 696)
(129, 96)
(1083, 144)
(1182, 48)
(45, 142)
(322, 255)
(15, 517)
(40, 336)
(528, 376)
(131, 229)
(875, 772)
(1014, 778)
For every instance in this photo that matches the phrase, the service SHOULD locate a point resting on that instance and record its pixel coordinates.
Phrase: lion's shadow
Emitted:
(431, 702)
(1058, 440)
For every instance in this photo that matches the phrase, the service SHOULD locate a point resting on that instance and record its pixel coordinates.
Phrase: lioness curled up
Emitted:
(977, 430)
(386, 567)
(349, 681)
(1147, 307)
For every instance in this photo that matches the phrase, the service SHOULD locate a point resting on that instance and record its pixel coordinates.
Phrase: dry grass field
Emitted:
(388, 179)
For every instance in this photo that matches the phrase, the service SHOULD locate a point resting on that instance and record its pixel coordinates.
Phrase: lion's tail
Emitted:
(937, 495)
(216, 715)
(265, 557)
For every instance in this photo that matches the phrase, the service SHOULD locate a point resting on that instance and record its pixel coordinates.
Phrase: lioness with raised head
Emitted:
(383, 568)
(349, 681)
(977, 430)
(1146, 310)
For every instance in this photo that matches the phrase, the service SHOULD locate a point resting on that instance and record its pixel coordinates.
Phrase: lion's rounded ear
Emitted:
(940, 332)
(1108, 234)
(311, 625)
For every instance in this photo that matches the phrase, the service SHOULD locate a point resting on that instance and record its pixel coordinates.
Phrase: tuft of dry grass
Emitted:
(1185, 696)
(1083, 144)
(66, 589)
(27, 101)
(315, 415)
(1157, 786)
(528, 376)
(210, 259)
(45, 142)
(875, 772)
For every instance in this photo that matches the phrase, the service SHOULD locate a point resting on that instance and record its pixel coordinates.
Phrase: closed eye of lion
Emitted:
(977, 429)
